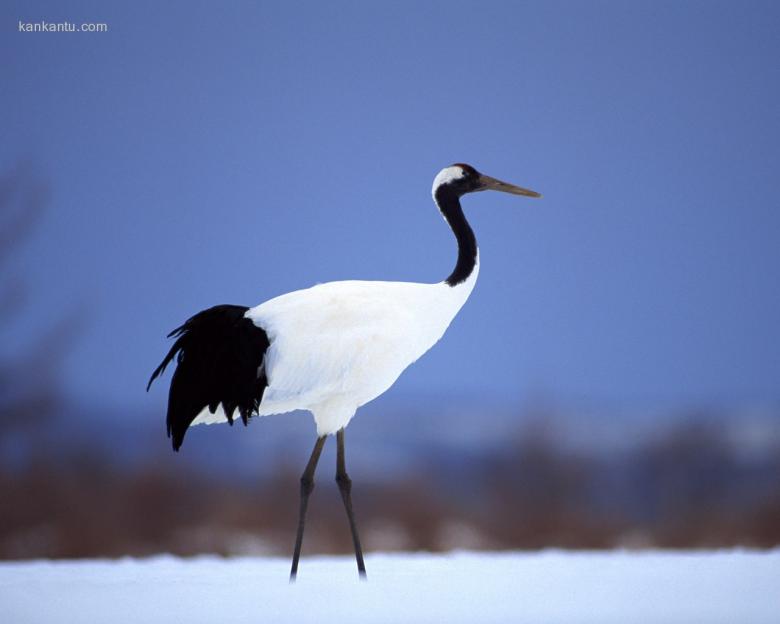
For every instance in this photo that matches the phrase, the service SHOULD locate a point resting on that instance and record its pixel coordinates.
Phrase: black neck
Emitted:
(449, 204)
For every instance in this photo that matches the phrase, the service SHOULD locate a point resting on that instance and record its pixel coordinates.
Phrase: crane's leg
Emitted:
(307, 485)
(345, 487)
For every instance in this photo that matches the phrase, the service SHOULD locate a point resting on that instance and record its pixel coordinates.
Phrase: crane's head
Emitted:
(461, 179)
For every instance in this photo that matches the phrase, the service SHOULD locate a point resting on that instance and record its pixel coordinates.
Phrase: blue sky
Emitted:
(204, 153)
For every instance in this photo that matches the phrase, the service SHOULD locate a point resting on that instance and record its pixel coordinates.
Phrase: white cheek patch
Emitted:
(446, 176)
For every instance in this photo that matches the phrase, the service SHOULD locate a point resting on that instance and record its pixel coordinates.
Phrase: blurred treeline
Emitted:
(64, 493)
(688, 489)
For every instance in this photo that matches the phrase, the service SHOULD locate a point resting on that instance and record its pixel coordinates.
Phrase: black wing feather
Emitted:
(219, 359)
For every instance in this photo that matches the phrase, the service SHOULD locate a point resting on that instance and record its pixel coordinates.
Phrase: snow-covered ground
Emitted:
(551, 586)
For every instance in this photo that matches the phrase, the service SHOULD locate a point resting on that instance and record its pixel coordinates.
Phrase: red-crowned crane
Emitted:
(328, 349)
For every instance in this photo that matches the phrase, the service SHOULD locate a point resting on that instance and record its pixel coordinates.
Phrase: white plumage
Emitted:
(339, 345)
(446, 176)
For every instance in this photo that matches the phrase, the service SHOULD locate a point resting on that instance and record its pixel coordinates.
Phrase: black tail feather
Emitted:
(167, 360)
(219, 360)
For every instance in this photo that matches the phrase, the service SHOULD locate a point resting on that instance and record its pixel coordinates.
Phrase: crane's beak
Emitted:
(486, 183)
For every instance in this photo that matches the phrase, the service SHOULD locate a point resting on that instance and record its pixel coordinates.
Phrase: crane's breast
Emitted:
(346, 339)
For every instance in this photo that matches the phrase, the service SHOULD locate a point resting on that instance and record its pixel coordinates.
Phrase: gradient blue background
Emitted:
(204, 153)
